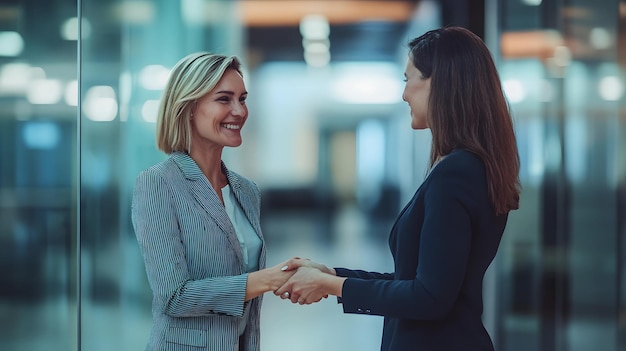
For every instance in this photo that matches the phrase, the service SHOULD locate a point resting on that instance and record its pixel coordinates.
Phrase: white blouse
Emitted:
(248, 239)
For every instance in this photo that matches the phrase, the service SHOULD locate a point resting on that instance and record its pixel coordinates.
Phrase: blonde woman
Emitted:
(197, 222)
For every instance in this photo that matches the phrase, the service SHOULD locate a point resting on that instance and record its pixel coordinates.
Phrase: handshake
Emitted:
(305, 281)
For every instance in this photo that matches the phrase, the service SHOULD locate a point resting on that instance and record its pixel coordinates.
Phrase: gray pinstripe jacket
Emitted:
(193, 260)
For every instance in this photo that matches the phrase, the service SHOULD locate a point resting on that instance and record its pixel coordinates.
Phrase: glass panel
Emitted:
(565, 97)
(621, 176)
(592, 91)
(38, 183)
(519, 257)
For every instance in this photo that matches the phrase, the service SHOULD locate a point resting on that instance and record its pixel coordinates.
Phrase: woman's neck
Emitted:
(210, 163)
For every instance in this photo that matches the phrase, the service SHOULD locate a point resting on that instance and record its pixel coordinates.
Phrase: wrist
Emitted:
(334, 285)
(272, 283)
(325, 269)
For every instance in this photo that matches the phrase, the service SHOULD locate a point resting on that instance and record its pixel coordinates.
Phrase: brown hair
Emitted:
(467, 108)
(191, 78)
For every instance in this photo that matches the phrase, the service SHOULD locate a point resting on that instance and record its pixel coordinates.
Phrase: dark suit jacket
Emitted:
(193, 259)
(442, 242)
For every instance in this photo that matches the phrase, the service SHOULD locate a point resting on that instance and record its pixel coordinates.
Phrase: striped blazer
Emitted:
(193, 259)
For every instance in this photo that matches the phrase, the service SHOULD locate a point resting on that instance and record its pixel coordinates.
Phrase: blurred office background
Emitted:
(329, 143)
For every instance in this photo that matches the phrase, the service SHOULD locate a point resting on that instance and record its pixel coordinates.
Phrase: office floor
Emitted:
(323, 326)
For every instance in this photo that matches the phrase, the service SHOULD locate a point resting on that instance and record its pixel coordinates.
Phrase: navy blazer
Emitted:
(193, 258)
(442, 243)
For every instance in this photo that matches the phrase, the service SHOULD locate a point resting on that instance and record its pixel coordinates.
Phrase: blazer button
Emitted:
(360, 310)
(368, 311)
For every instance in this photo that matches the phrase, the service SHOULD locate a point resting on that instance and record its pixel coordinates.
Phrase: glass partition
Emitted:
(560, 258)
(38, 178)
(621, 181)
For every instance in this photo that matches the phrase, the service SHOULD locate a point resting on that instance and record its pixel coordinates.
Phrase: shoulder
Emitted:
(460, 172)
(159, 172)
(462, 165)
(161, 167)
(461, 160)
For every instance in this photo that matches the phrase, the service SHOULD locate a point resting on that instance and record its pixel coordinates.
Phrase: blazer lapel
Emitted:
(207, 197)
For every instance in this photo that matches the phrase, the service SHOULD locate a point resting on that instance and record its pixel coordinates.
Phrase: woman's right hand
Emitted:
(268, 279)
(278, 275)
(297, 262)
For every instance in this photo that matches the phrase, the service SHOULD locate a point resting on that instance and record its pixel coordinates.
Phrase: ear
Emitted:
(193, 107)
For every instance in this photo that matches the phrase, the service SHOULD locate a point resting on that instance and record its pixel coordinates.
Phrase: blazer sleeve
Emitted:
(350, 273)
(443, 255)
(156, 227)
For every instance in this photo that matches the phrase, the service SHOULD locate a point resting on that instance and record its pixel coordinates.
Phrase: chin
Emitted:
(235, 143)
(418, 126)
(418, 123)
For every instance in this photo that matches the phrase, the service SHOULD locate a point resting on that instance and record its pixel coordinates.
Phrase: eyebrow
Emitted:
(229, 92)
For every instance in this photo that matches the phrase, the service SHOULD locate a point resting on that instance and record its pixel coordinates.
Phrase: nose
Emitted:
(239, 109)
(404, 96)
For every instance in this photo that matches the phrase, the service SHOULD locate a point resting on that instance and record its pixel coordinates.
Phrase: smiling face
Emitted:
(416, 94)
(220, 114)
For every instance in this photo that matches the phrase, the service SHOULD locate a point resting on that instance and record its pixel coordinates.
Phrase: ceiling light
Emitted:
(11, 43)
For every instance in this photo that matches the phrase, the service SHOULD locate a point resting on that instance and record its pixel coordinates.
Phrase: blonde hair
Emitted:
(191, 78)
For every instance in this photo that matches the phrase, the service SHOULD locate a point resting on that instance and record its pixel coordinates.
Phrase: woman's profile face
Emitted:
(416, 94)
(220, 114)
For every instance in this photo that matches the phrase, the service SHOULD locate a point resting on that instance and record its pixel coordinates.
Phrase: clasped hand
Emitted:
(310, 283)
